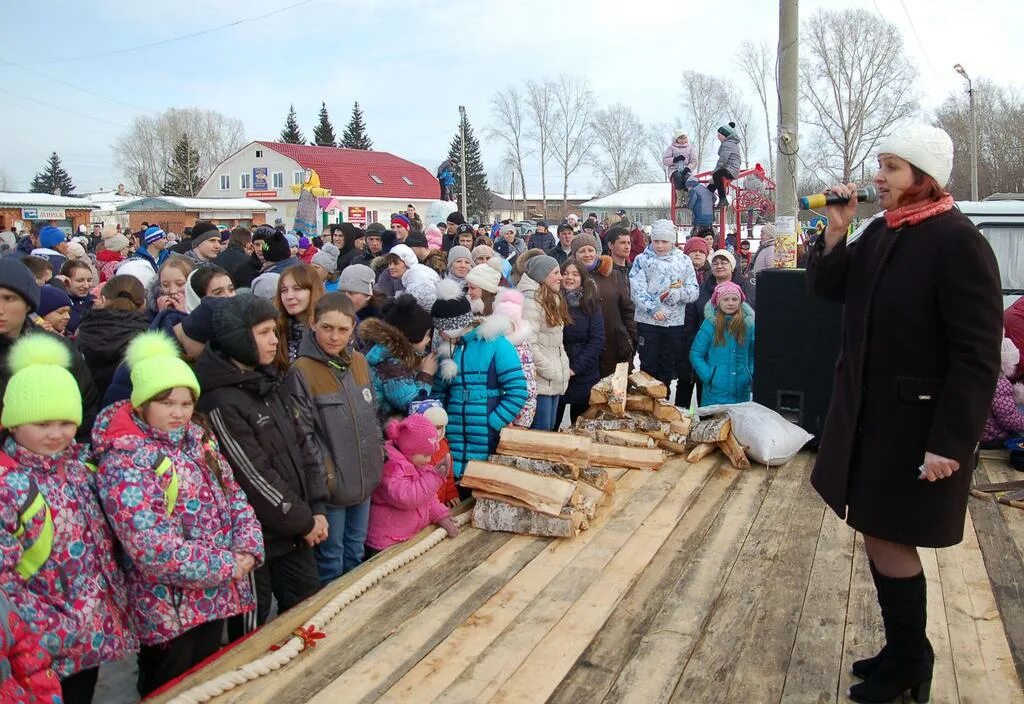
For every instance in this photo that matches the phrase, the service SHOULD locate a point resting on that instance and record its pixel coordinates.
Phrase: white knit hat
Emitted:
(485, 277)
(406, 254)
(928, 148)
(664, 231)
(723, 253)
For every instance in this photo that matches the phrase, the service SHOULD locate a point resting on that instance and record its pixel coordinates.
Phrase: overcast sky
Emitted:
(409, 63)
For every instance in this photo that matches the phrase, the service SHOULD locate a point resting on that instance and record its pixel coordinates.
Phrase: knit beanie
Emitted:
(52, 298)
(156, 367)
(75, 250)
(198, 325)
(41, 388)
(451, 311)
(305, 242)
(434, 237)
(401, 220)
(500, 265)
(727, 130)
(459, 252)
(724, 253)
(202, 231)
(415, 435)
(117, 243)
(509, 303)
(456, 218)
(50, 237)
(233, 324)
(504, 229)
(293, 241)
(482, 250)
(928, 148)
(153, 234)
(583, 241)
(726, 288)
(1009, 357)
(436, 415)
(17, 277)
(696, 244)
(502, 248)
(663, 231)
(484, 277)
(767, 232)
(277, 249)
(680, 132)
(540, 266)
(416, 239)
(357, 278)
(405, 314)
(327, 258)
(405, 253)
(375, 229)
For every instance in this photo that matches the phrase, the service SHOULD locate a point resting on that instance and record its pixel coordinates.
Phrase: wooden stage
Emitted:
(703, 584)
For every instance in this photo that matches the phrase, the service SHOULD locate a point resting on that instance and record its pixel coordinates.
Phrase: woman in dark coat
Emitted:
(108, 327)
(913, 384)
(583, 339)
(616, 304)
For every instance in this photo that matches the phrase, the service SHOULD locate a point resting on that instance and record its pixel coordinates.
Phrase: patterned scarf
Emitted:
(917, 212)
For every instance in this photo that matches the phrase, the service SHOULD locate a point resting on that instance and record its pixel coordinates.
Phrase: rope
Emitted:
(277, 659)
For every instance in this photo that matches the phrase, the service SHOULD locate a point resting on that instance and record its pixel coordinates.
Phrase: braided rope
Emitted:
(277, 659)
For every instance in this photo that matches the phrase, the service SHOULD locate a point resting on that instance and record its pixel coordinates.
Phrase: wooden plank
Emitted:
(624, 438)
(604, 455)
(617, 392)
(477, 634)
(667, 411)
(554, 447)
(547, 664)
(481, 680)
(596, 669)
(863, 636)
(943, 676)
(653, 669)
(499, 516)
(647, 384)
(817, 655)
(700, 451)
(545, 494)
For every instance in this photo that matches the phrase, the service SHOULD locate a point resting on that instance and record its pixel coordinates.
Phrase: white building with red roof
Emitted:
(366, 186)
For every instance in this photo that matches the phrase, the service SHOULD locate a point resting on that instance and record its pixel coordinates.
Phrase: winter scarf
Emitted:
(296, 330)
(917, 212)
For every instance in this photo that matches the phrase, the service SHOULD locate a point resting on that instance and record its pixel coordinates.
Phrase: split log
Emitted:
(554, 447)
(617, 392)
(732, 449)
(598, 477)
(648, 385)
(629, 457)
(639, 402)
(646, 424)
(586, 500)
(547, 494)
(497, 515)
(528, 464)
(595, 411)
(681, 426)
(594, 495)
(678, 448)
(701, 451)
(600, 391)
(665, 410)
(715, 429)
(592, 425)
(624, 438)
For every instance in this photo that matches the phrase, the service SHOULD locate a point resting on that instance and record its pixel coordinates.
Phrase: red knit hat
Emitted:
(415, 435)
(696, 244)
(725, 288)
(399, 219)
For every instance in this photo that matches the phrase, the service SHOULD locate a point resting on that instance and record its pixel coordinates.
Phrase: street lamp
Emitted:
(974, 131)
(462, 153)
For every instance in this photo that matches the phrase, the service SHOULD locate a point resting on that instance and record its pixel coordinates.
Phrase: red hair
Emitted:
(924, 188)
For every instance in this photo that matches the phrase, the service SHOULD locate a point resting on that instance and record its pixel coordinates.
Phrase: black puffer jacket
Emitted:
(255, 422)
(102, 338)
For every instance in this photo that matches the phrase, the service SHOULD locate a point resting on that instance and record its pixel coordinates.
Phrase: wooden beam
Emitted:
(554, 447)
(715, 429)
(543, 493)
(665, 410)
(624, 438)
(604, 455)
(617, 392)
(499, 516)
(700, 451)
(648, 385)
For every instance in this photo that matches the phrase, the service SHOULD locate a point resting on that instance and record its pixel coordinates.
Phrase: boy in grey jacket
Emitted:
(728, 166)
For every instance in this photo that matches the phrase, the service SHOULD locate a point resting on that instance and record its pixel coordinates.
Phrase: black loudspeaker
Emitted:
(796, 344)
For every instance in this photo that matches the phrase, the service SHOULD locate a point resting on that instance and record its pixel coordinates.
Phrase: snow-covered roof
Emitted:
(552, 196)
(641, 196)
(42, 200)
(203, 204)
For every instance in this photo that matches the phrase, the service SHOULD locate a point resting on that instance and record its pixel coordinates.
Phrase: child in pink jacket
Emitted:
(1005, 419)
(406, 499)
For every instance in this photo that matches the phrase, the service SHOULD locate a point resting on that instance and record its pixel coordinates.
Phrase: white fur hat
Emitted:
(680, 132)
(664, 231)
(928, 148)
(1009, 357)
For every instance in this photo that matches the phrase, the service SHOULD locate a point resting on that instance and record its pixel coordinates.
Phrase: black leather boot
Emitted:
(907, 659)
(866, 667)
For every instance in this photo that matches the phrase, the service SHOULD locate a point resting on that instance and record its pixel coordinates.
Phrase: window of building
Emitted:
(246, 181)
(376, 179)
(298, 177)
(259, 153)
(225, 182)
(408, 181)
(372, 216)
(278, 179)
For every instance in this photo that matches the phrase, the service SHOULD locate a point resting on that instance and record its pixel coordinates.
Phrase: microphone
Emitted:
(868, 194)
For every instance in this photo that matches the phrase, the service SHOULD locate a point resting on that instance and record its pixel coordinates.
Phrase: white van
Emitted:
(1002, 224)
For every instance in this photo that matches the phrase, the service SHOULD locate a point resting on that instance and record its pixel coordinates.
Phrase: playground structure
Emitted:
(740, 199)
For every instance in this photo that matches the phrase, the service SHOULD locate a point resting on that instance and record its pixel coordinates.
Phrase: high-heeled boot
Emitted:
(907, 659)
(866, 667)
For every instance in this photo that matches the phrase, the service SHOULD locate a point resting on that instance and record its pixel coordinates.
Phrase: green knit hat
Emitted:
(157, 366)
(41, 388)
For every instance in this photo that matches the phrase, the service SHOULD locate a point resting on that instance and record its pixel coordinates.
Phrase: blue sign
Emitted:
(259, 179)
(818, 221)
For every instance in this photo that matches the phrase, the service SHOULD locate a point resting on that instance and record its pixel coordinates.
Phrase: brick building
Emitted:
(31, 211)
(174, 214)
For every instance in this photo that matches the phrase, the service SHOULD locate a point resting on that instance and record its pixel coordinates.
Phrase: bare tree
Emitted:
(146, 151)
(757, 62)
(508, 114)
(704, 101)
(541, 108)
(740, 112)
(573, 136)
(618, 153)
(857, 81)
(656, 137)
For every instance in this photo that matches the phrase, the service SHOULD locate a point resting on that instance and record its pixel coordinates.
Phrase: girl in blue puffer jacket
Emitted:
(723, 351)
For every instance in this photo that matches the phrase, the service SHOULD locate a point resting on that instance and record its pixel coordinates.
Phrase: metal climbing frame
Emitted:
(740, 199)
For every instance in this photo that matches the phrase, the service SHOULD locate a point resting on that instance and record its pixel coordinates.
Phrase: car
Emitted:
(1001, 222)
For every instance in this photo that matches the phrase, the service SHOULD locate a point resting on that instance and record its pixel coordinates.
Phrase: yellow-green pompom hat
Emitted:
(41, 388)
(156, 367)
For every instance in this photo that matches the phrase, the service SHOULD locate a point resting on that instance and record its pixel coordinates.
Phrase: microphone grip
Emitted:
(814, 202)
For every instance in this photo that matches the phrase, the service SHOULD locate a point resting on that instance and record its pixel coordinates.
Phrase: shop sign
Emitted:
(42, 214)
(357, 214)
(261, 194)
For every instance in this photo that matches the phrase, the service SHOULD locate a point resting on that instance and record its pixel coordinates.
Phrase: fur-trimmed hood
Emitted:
(604, 266)
(375, 331)
(497, 325)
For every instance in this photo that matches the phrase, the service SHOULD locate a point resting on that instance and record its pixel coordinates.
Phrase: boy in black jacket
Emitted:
(252, 416)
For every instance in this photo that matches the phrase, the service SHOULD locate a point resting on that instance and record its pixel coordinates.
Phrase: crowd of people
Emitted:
(197, 430)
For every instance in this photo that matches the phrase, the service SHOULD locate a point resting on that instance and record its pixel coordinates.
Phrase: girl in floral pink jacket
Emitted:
(189, 536)
(57, 564)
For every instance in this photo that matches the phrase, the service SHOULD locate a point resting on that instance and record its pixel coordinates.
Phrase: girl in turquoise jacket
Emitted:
(723, 351)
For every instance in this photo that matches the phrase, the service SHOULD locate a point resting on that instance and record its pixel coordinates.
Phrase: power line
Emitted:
(920, 44)
(63, 110)
(162, 42)
(72, 85)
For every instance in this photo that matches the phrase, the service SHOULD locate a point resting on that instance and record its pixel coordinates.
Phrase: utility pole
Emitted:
(786, 211)
(974, 131)
(462, 154)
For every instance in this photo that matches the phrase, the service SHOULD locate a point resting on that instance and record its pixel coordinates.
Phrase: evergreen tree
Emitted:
(291, 134)
(53, 178)
(323, 133)
(355, 136)
(183, 177)
(477, 192)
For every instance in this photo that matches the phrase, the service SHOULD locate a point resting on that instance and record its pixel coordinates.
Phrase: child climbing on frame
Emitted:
(728, 167)
(680, 161)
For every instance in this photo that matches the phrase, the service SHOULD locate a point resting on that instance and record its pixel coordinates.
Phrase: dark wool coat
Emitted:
(583, 339)
(916, 373)
(619, 315)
